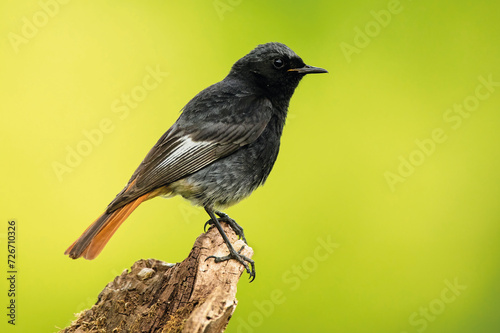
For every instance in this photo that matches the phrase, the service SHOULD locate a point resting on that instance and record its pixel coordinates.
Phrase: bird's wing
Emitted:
(189, 146)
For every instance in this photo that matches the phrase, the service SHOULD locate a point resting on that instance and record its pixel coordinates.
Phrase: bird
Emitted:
(220, 149)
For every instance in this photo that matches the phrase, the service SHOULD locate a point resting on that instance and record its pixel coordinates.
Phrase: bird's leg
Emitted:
(223, 217)
(233, 254)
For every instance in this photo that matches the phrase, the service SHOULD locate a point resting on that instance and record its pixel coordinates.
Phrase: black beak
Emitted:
(308, 70)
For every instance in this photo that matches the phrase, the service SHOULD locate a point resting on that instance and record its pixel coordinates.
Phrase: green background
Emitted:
(398, 246)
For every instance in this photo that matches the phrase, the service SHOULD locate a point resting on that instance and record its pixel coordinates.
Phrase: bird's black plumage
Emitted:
(226, 140)
(226, 118)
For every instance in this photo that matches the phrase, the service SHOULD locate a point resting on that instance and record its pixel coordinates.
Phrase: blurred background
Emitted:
(382, 211)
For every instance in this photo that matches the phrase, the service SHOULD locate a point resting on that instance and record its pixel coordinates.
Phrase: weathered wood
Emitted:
(192, 296)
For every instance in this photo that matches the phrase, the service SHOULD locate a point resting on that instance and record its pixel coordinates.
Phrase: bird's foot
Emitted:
(223, 217)
(238, 257)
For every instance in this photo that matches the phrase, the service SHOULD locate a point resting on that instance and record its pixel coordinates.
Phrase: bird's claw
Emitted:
(210, 223)
(223, 217)
(240, 258)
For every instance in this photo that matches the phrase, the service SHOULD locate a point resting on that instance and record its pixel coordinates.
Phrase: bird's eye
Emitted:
(278, 63)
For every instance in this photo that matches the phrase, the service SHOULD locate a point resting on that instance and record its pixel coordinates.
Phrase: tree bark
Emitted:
(192, 296)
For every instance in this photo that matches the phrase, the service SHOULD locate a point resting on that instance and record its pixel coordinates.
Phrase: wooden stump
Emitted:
(192, 296)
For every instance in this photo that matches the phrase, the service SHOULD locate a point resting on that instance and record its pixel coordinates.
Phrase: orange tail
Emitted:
(93, 240)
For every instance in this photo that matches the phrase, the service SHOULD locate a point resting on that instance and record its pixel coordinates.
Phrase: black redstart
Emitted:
(220, 149)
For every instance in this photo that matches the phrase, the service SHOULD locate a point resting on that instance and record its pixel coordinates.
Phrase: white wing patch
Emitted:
(185, 148)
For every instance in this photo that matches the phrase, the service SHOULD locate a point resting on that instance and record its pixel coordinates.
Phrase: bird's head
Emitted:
(273, 67)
